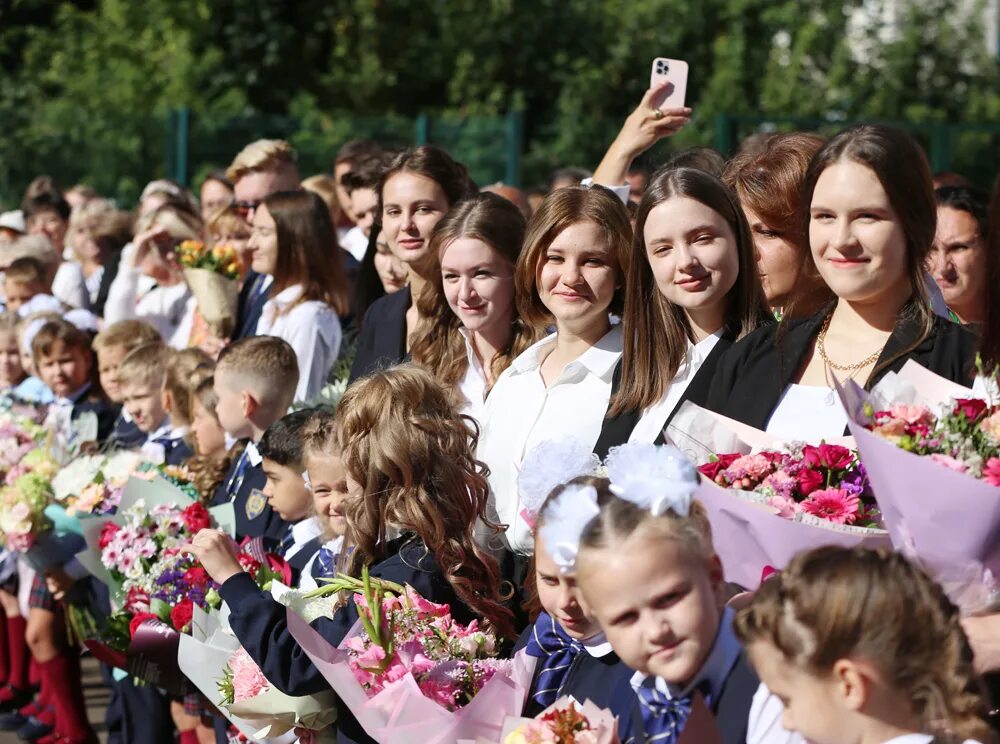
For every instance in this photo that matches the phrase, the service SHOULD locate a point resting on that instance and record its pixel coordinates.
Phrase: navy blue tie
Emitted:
(663, 717)
(238, 475)
(549, 642)
(286, 542)
(322, 567)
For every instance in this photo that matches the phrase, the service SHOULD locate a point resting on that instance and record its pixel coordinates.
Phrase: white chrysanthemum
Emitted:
(551, 464)
(75, 476)
(657, 478)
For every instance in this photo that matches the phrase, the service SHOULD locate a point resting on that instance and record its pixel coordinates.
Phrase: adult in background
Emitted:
(958, 256)
(215, 195)
(47, 213)
(98, 233)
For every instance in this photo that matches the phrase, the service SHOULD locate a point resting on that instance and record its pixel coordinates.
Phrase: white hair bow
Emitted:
(566, 518)
(655, 478)
(548, 465)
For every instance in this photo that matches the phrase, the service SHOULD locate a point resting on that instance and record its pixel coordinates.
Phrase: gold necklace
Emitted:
(821, 347)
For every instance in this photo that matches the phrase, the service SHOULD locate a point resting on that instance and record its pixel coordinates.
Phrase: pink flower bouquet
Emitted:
(934, 464)
(564, 722)
(409, 672)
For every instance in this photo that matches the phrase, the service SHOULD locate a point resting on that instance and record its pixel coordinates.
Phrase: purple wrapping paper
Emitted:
(152, 656)
(749, 536)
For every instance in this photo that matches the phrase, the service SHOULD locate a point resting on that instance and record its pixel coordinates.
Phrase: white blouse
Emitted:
(70, 286)
(311, 328)
(654, 417)
(808, 413)
(132, 296)
(473, 384)
(522, 412)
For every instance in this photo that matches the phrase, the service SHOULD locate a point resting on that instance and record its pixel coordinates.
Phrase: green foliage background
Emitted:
(86, 85)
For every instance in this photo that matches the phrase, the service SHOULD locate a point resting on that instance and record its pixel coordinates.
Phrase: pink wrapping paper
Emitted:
(749, 536)
(400, 714)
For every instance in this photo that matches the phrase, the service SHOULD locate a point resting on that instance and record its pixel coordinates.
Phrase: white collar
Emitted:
(305, 530)
(253, 454)
(161, 432)
(597, 646)
(725, 652)
(600, 359)
(73, 398)
(335, 545)
(287, 296)
(697, 353)
(470, 352)
(911, 739)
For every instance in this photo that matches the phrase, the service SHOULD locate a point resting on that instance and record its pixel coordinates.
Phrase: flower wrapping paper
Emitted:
(400, 713)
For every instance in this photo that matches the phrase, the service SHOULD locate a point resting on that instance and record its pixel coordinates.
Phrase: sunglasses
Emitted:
(244, 208)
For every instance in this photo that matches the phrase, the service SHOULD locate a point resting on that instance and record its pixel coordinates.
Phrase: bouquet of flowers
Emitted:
(93, 484)
(409, 671)
(932, 451)
(564, 722)
(19, 435)
(213, 276)
(769, 501)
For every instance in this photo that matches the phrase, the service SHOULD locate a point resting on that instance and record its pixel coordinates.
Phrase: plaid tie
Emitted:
(549, 642)
(322, 567)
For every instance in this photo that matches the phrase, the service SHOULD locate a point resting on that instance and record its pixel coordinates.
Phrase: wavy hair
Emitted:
(438, 345)
(413, 454)
(834, 603)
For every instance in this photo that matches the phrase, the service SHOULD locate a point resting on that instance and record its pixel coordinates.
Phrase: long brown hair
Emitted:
(901, 168)
(438, 345)
(834, 603)
(402, 440)
(308, 251)
(657, 331)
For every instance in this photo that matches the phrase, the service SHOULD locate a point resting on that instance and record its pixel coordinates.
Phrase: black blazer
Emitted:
(382, 342)
(249, 306)
(752, 376)
(110, 272)
(617, 429)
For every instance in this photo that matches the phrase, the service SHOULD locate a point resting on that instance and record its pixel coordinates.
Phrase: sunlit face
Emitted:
(11, 372)
(364, 206)
(391, 271)
(209, 436)
(411, 206)
(144, 403)
(263, 243)
(663, 620)
(478, 284)
(286, 491)
(778, 260)
(109, 359)
(254, 187)
(692, 252)
(65, 369)
(958, 262)
(812, 703)
(232, 406)
(328, 482)
(560, 597)
(49, 223)
(577, 277)
(215, 196)
(18, 294)
(855, 236)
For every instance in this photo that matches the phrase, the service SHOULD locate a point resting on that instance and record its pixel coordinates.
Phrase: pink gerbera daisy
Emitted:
(991, 473)
(833, 505)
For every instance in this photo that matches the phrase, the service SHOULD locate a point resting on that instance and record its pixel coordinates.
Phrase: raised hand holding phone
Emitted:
(670, 77)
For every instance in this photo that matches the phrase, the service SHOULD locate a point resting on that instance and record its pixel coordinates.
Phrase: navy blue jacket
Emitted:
(254, 516)
(382, 342)
(260, 624)
(106, 414)
(298, 561)
(176, 451)
(126, 434)
(249, 305)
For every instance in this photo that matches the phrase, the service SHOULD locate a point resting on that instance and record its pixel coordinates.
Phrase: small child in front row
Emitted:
(111, 346)
(654, 583)
(254, 382)
(410, 469)
(23, 280)
(12, 373)
(863, 647)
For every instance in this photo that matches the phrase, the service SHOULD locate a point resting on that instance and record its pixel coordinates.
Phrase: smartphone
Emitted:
(675, 73)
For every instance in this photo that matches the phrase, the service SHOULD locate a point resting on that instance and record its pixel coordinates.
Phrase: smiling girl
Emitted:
(571, 273)
(473, 330)
(871, 217)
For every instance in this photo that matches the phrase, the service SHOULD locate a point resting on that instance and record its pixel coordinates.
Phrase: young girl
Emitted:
(694, 290)
(648, 572)
(292, 241)
(473, 330)
(212, 458)
(871, 218)
(834, 636)
(410, 470)
(12, 373)
(416, 191)
(571, 273)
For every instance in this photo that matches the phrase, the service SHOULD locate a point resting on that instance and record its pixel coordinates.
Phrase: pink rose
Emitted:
(950, 462)
(786, 507)
(991, 472)
(809, 481)
(912, 414)
(971, 408)
(830, 456)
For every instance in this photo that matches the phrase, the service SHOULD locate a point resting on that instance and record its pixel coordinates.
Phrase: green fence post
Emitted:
(724, 134)
(183, 136)
(423, 130)
(515, 137)
(940, 147)
(169, 160)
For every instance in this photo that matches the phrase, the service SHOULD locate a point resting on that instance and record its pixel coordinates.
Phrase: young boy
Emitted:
(141, 376)
(255, 380)
(112, 345)
(23, 280)
(287, 494)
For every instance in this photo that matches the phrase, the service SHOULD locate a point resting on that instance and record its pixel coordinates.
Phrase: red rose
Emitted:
(138, 619)
(971, 408)
(108, 532)
(281, 567)
(196, 518)
(712, 469)
(181, 615)
(830, 456)
(196, 576)
(809, 481)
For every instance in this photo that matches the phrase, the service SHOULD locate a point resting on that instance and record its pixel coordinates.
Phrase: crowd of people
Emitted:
(471, 325)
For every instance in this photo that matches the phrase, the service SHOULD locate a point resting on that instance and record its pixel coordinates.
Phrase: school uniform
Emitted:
(586, 670)
(382, 342)
(322, 564)
(63, 412)
(126, 434)
(250, 304)
(260, 624)
(244, 487)
(299, 544)
(166, 445)
(754, 375)
(692, 382)
(651, 710)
